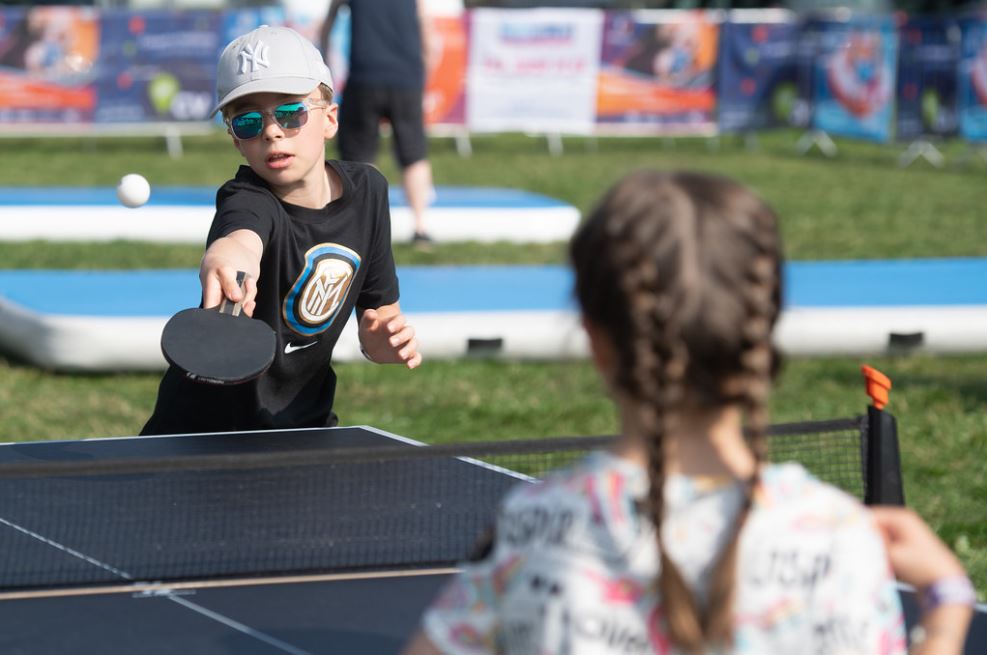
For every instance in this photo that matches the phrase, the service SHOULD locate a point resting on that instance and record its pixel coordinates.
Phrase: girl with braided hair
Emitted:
(680, 539)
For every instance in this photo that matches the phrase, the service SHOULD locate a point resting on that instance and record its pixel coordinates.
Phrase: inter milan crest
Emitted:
(321, 289)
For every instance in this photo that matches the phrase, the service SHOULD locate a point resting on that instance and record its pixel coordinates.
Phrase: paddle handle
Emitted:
(234, 309)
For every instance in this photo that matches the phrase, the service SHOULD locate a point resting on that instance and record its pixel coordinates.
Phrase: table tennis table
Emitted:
(258, 552)
(329, 540)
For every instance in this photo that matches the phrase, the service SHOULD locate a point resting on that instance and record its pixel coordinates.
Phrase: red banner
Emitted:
(47, 64)
(445, 88)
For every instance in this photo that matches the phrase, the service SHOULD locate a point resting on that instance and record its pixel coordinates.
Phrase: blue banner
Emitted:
(855, 78)
(972, 92)
(756, 82)
(237, 22)
(808, 46)
(928, 59)
(157, 66)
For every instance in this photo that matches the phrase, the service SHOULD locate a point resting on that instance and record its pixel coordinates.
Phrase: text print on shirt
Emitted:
(320, 291)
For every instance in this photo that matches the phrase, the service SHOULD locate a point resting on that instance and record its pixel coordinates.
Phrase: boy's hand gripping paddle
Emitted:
(218, 346)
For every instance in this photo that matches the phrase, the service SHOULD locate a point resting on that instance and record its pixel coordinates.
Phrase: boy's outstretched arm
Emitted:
(239, 250)
(386, 337)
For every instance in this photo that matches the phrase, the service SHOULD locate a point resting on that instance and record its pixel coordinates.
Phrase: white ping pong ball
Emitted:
(133, 190)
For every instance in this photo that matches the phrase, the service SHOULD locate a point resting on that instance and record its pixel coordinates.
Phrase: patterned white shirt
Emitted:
(574, 564)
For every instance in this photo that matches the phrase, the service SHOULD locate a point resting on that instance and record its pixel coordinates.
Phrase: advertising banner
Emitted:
(237, 22)
(808, 47)
(973, 80)
(445, 84)
(157, 66)
(337, 51)
(303, 16)
(658, 70)
(855, 78)
(533, 70)
(445, 79)
(757, 84)
(48, 64)
(928, 60)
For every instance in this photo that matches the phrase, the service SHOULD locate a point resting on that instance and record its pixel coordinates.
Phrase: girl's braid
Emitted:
(760, 290)
(655, 368)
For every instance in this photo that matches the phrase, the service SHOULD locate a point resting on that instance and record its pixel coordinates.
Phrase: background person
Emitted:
(389, 46)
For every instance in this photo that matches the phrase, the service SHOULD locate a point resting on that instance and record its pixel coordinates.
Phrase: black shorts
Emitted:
(360, 113)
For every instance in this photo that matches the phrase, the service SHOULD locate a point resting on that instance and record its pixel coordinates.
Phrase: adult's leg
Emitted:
(410, 148)
(359, 124)
(417, 180)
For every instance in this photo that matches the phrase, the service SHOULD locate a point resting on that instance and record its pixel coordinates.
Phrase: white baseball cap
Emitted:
(269, 60)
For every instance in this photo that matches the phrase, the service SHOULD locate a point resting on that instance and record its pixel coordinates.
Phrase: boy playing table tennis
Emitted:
(313, 236)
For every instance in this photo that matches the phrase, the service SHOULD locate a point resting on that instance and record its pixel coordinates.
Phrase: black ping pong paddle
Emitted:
(218, 346)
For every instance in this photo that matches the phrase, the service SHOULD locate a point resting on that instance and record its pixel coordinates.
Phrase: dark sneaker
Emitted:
(422, 241)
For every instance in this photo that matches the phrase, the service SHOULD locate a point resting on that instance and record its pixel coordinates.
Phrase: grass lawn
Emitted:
(858, 205)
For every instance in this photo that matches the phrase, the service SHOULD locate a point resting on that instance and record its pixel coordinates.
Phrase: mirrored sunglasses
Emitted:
(290, 116)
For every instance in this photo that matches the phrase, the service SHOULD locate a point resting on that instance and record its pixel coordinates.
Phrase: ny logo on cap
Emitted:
(254, 57)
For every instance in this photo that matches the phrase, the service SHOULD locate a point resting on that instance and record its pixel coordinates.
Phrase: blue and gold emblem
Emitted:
(321, 288)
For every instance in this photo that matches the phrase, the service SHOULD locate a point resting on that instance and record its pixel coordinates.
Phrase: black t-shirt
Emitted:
(385, 44)
(318, 264)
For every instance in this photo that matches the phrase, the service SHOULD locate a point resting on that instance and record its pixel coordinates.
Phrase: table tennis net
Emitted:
(234, 515)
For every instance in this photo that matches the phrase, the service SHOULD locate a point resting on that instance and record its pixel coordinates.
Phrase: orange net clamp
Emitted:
(878, 385)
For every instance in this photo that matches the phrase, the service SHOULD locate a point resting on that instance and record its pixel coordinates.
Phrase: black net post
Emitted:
(882, 461)
(884, 485)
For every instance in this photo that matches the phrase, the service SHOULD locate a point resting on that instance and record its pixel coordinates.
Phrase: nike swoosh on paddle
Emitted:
(290, 347)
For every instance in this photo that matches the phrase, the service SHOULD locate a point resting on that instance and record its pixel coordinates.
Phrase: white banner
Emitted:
(533, 70)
